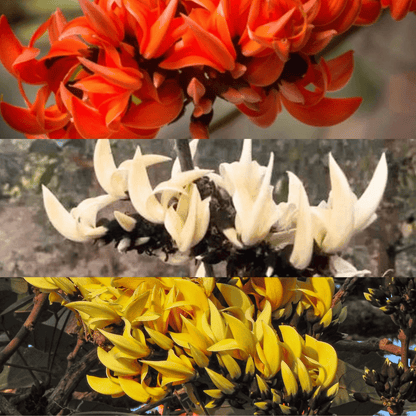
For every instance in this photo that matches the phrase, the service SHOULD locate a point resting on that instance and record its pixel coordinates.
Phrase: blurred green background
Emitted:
(385, 76)
(32, 247)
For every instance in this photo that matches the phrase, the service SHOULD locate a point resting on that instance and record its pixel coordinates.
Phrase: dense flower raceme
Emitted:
(227, 216)
(160, 333)
(126, 68)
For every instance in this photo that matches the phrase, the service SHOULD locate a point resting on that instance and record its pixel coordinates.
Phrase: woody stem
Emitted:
(184, 154)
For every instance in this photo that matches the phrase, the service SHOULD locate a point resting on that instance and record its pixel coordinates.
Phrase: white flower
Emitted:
(336, 221)
(80, 224)
(248, 183)
(112, 179)
(180, 208)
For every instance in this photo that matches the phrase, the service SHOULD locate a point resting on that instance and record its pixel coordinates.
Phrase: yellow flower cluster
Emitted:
(227, 334)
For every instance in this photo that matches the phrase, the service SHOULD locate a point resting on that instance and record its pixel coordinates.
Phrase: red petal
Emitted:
(128, 78)
(151, 114)
(341, 69)
(195, 90)
(329, 11)
(159, 29)
(327, 112)
(267, 110)
(10, 46)
(89, 122)
(21, 119)
(100, 22)
(369, 13)
(211, 45)
(264, 71)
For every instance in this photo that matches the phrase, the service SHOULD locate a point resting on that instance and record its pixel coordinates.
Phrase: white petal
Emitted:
(303, 245)
(200, 272)
(104, 165)
(188, 231)
(86, 212)
(341, 221)
(231, 234)
(60, 218)
(173, 224)
(202, 221)
(370, 199)
(140, 191)
(182, 179)
(264, 211)
(341, 268)
(125, 221)
(246, 152)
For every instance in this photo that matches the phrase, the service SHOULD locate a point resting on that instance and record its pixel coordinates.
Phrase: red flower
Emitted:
(310, 107)
(99, 83)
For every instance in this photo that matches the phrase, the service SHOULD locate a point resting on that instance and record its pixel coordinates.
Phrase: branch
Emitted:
(345, 290)
(39, 304)
(6, 408)
(184, 154)
(372, 344)
(69, 382)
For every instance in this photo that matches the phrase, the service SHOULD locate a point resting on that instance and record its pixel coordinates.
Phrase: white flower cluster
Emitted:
(177, 204)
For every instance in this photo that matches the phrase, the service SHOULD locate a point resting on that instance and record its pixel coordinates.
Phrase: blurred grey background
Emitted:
(385, 76)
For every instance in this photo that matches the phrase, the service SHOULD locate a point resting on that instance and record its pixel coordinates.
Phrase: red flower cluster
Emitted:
(127, 67)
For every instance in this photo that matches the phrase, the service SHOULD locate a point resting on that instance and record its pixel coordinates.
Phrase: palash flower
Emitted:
(335, 222)
(196, 337)
(100, 89)
(125, 69)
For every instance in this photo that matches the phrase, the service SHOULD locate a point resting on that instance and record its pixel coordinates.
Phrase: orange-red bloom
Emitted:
(310, 107)
(126, 68)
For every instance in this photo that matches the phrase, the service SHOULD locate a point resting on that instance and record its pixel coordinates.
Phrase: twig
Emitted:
(184, 154)
(72, 355)
(70, 381)
(39, 303)
(209, 270)
(345, 290)
(24, 367)
(6, 408)
(372, 344)
(404, 337)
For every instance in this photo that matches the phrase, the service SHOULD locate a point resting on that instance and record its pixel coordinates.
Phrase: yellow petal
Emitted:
(289, 380)
(120, 366)
(104, 385)
(225, 385)
(134, 390)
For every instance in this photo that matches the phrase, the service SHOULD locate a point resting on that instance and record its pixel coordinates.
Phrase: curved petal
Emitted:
(60, 218)
(104, 165)
(327, 112)
(303, 244)
(341, 219)
(366, 206)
